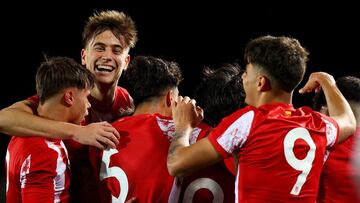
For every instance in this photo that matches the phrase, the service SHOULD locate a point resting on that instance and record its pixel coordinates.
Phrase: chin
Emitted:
(106, 82)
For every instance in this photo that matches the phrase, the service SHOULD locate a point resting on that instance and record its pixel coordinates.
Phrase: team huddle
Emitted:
(83, 138)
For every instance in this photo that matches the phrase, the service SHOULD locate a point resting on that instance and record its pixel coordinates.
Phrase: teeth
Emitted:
(104, 68)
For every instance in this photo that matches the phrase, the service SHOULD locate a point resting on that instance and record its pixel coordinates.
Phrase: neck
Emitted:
(152, 106)
(53, 110)
(104, 93)
(274, 97)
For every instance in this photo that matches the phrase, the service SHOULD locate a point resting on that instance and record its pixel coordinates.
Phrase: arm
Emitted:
(339, 109)
(18, 119)
(182, 158)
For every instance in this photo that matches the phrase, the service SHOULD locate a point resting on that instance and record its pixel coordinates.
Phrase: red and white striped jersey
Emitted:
(83, 186)
(38, 170)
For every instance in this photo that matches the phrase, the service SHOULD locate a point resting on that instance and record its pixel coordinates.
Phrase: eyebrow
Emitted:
(114, 45)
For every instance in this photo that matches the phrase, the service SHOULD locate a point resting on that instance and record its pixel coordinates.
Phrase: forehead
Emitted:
(108, 38)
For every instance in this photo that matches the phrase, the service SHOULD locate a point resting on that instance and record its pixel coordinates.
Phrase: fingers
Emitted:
(200, 112)
(132, 200)
(112, 130)
(186, 99)
(107, 141)
(309, 86)
(98, 145)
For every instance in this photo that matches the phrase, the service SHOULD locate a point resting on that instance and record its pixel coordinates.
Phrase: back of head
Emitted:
(282, 59)
(117, 22)
(148, 77)
(349, 87)
(59, 73)
(220, 93)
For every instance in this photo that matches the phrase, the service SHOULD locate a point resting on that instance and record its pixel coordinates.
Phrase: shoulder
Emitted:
(120, 91)
(38, 148)
(123, 99)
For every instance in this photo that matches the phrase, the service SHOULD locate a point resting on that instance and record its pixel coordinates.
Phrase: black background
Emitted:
(192, 33)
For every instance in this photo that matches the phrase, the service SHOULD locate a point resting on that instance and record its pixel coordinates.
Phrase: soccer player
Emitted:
(107, 39)
(211, 184)
(338, 175)
(38, 168)
(281, 149)
(137, 167)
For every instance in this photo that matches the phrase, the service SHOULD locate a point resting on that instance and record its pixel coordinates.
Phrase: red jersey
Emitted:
(337, 179)
(83, 187)
(137, 168)
(281, 151)
(211, 184)
(37, 170)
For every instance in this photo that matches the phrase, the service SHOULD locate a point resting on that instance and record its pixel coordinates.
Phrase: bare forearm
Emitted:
(22, 123)
(184, 159)
(339, 108)
(178, 143)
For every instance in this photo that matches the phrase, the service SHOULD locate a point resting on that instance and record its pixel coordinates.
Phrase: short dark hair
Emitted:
(349, 86)
(220, 93)
(117, 22)
(148, 76)
(282, 59)
(58, 73)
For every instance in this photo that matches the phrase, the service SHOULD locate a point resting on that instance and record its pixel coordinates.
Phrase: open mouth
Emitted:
(103, 68)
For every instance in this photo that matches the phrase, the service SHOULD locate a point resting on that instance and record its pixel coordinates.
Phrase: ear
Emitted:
(168, 98)
(127, 61)
(69, 98)
(263, 83)
(83, 54)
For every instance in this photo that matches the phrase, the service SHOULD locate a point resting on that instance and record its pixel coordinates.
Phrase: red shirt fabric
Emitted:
(281, 151)
(83, 187)
(337, 179)
(214, 183)
(38, 170)
(137, 168)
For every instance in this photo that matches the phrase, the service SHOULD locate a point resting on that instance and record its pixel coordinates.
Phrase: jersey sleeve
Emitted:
(332, 131)
(232, 132)
(37, 176)
(33, 103)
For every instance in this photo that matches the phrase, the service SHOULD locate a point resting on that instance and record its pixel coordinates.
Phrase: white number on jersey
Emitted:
(204, 183)
(116, 172)
(303, 165)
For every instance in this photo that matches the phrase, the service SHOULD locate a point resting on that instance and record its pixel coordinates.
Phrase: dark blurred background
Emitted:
(193, 33)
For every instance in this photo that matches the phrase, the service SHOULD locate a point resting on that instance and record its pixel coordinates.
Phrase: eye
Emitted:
(117, 51)
(99, 48)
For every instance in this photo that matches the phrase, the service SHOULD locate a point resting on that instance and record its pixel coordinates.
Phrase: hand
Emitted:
(100, 135)
(132, 200)
(316, 81)
(185, 112)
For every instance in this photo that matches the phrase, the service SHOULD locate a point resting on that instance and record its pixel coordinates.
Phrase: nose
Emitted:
(107, 54)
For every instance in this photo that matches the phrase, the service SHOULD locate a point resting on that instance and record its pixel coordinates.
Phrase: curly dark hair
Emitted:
(148, 77)
(220, 93)
(282, 59)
